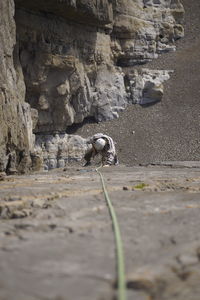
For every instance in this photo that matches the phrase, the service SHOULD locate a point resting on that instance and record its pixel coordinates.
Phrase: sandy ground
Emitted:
(56, 238)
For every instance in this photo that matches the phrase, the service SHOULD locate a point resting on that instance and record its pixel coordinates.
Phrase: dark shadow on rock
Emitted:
(73, 128)
(146, 105)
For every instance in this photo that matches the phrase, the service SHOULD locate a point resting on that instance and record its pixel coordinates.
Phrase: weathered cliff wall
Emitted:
(16, 138)
(78, 59)
(73, 53)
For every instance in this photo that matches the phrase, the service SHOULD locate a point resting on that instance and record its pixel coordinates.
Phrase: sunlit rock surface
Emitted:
(73, 54)
(16, 138)
(146, 86)
(57, 151)
(70, 60)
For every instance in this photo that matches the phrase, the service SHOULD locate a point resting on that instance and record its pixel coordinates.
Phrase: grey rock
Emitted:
(67, 218)
(67, 59)
(64, 88)
(143, 29)
(15, 115)
(57, 151)
(188, 259)
(146, 86)
(72, 71)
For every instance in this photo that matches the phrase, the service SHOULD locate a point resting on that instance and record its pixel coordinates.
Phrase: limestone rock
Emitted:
(72, 68)
(63, 89)
(92, 12)
(68, 60)
(56, 151)
(143, 29)
(43, 103)
(34, 117)
(110, 96)
(176, 279)
(146, 86)
(15, 115)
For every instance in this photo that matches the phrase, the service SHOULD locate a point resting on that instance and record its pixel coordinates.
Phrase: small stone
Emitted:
(43, 103)
(52, 226)
(61, 163)
(187, 259)
(198, 253)
(125, 188)
(38, 203)
(172, 240)
(2, 176)
(12, 171)
(63, 88)
(18, 214)
(5, 213)
(13, 198)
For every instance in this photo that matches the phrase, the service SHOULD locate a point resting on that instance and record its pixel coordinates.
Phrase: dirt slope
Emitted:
(168, 130)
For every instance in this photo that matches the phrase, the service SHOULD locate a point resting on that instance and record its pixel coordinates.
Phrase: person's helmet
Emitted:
(99, 144)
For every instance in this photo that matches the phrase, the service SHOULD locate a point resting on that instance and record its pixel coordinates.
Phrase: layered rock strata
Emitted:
(146, 86)
(16, 138)
(73, 54)
(78, 59)
(57, 151)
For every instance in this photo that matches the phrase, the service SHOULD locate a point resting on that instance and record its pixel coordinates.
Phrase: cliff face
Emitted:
(77, 60)
(71, 53)
(16, 138)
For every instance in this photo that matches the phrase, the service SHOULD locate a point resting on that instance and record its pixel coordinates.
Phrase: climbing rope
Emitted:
(121, 281)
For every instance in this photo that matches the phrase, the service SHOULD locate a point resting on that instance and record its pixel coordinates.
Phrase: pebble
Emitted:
(125, 188)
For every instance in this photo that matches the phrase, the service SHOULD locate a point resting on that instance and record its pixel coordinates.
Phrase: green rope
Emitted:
(118, 241)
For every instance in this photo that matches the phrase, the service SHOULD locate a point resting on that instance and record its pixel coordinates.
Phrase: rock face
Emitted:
(65, 215)
(146, 86)
(16, 138)
(142, 29)
(73, 54)
(58, 151)
(77, 59)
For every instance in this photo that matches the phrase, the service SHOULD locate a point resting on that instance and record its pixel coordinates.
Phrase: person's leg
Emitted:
(116, 161)
(108, 159)
(88, 155)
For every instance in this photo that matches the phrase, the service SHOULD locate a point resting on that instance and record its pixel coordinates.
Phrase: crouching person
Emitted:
(101, 144)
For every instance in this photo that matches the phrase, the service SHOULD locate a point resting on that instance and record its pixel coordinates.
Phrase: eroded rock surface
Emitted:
(73, 53)
(146, 86)
(16, 138)
(56, 233)
(57, 151)
(75, 60)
